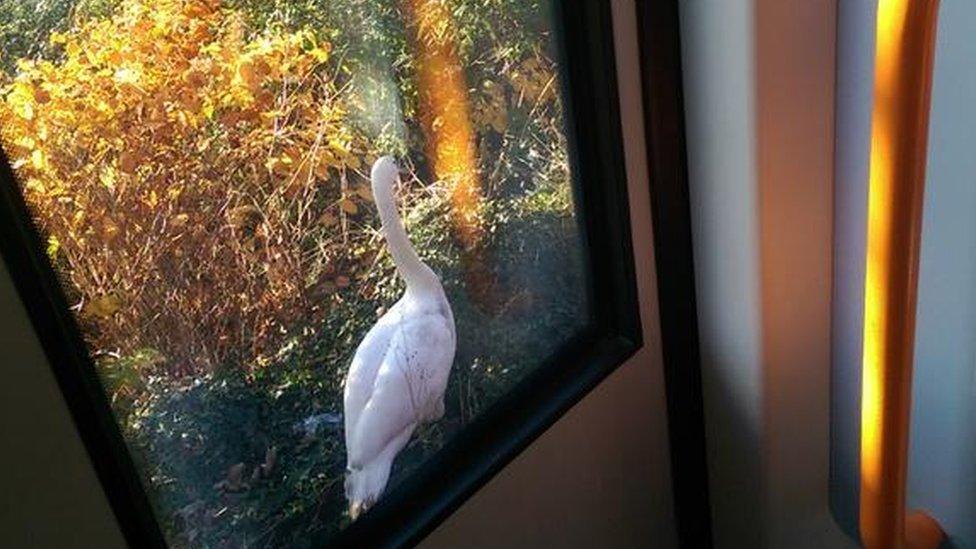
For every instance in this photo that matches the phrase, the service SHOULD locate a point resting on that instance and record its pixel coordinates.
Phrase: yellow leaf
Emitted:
(103, 307)
(320, 54)
(339, 147)
(179, 220)
(25, 141)
(21, 100)
(111, 230)
(279, 166)
(126, 75)
(35, 185)
(53, 245)
(38, 161)
(107, 177)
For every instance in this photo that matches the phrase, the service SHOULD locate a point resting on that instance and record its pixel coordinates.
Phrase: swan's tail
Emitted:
(364, 486)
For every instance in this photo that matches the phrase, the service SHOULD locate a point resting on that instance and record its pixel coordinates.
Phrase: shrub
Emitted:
(198, 170)
(199, 187)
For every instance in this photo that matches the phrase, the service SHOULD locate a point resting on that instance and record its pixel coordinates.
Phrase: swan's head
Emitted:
(384, 175)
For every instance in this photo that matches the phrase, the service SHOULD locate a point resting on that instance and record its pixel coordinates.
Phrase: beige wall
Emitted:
(795, 64)
(599, 477)
(49, 495)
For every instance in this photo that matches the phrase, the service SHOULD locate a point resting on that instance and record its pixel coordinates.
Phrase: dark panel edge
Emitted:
(660, 51)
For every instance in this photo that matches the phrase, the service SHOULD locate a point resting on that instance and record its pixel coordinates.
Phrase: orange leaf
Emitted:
(196, 79)
(364, 192)
(41, 96)
(328, 220)
(321, 170)
(128, 162)
(348, 206)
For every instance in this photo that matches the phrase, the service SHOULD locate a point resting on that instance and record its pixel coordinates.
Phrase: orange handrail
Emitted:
(899, 134)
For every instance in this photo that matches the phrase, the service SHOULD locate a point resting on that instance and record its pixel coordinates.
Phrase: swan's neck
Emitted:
(415, 273)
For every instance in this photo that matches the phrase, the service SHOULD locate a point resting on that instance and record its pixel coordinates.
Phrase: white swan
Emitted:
(400, 370)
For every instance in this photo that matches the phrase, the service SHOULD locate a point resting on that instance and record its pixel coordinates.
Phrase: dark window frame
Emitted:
(664, 129)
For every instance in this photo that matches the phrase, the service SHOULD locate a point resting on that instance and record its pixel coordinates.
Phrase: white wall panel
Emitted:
(942, 460)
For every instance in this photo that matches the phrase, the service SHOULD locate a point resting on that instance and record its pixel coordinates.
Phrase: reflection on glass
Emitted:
(200, 173)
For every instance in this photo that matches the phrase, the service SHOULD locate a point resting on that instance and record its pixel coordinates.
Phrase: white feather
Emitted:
(399, 373)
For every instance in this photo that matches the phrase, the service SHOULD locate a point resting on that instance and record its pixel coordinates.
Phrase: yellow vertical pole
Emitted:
(899, 134)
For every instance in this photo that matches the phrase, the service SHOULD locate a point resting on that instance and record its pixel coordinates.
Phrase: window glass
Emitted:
(207, 181)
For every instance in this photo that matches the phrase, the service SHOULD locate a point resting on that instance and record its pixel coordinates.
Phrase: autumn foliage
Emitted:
(201, 180)
(197, 185)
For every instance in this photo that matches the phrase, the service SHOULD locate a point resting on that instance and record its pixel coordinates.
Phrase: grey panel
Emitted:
(855, 80)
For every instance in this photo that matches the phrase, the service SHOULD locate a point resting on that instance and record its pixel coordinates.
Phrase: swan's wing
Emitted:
(428, 355)
(411, 379)
(363, 370)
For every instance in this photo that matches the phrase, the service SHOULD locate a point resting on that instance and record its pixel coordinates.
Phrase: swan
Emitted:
(398, 375)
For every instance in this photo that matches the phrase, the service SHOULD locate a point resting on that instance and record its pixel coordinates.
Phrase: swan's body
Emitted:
(399, 372)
